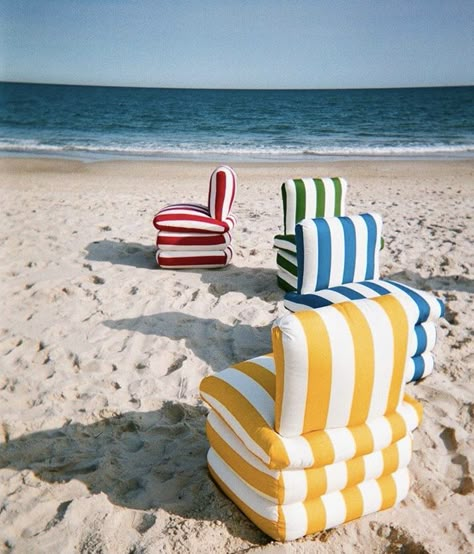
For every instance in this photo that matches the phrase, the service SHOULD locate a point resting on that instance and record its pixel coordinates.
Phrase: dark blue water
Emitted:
(92, 122)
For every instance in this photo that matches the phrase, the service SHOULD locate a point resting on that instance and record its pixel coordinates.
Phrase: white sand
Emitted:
(102, 444)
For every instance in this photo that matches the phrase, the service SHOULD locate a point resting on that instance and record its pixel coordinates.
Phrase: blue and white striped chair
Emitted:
(338, 260)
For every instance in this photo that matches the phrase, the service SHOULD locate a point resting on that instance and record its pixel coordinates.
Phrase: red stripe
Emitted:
(160, 222)
(203, 240)
(192, 260)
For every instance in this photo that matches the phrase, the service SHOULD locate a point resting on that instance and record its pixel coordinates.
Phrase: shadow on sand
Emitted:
(140, 460)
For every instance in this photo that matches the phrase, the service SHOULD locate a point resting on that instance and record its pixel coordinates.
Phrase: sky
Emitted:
(238, 43)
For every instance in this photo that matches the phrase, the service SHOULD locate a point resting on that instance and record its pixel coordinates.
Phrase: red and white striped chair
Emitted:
(193, 235)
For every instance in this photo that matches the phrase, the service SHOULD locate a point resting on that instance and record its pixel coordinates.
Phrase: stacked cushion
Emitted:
(314, 434)
(338, 260)
(198, 236)
(304, 198)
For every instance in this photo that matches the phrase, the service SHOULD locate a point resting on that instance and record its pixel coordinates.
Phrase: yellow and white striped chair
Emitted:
(319, 431)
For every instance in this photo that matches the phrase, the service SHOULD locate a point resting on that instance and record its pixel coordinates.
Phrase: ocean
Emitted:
(90, 122)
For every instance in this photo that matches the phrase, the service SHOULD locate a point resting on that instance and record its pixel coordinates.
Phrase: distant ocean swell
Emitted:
(257, 152)
(102, 122)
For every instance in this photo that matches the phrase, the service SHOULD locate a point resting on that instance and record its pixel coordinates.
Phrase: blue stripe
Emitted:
(375, 287)
(371, 244)
(299, 256)
(421, 339)
(349, 293)
(441, 305)
(324, 253)
(310, 300)
(349, 249)
(419, 368)
(423, 306)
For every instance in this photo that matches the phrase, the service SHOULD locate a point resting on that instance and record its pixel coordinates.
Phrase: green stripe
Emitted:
(320, 198)
(300, 200)
(284, 285)
(283, 195)
(285, 264)
(338, 195)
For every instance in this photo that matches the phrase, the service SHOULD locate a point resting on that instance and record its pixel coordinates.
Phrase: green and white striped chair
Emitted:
(304, 198)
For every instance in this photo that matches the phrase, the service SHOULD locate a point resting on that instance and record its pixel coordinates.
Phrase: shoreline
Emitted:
(102, 441)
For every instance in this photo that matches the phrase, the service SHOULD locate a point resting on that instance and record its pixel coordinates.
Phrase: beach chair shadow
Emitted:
(140, 460)
(451, 283)
(215, 343)
(123, 253)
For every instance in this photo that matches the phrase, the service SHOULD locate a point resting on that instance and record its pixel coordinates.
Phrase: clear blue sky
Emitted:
(238, 43)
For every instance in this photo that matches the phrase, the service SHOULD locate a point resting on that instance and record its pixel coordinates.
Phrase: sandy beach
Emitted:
(102, 442)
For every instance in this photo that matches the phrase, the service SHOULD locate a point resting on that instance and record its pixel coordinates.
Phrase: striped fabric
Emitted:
(167, 240)
(287, 243)
(339, 366)
(336, 250)
(191, 217)
(244, 397)
(287, 270)
(309, 198)
(186, 259)
(221, 192)
(428, 307)
(297, 485)
(291, 521)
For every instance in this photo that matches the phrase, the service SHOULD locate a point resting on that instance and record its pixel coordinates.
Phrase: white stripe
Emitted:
(430, 330)
(296, 521)
(295, 376)
(295, 486)
(405, 450)
(229, 437)
(367, 292)
(371, 495)
(410, 415)
(402, 482)
(329, 197)
(299, 452)
(343, 443)
(343, 196)
(259, 504)
(289, 257)
(373, 464)
(284, 244)
(267, 362)
(342, 367)
(383, 347)
(381, 432)
(236, 427)
(361, 237)
(335, 507)
(378, 242)
(336, 476)
(287, 277)
(290, 215)
(250, 389)
(338, 254)
(311, 256)
(310, 200)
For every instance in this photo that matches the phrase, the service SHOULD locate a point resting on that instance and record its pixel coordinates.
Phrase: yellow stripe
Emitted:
(249, 418)
(262, 376)
(363, 361)
(255, 478)
(316, 515)
(316, 482)
(363, 439)
(399, 321)
(322, 448)
(398, 426)
(354, 503)
(415, 404)
(319, 370)
(388, 488)
(279, 355)
(274, 529)
(355, 471)
(391, 459)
